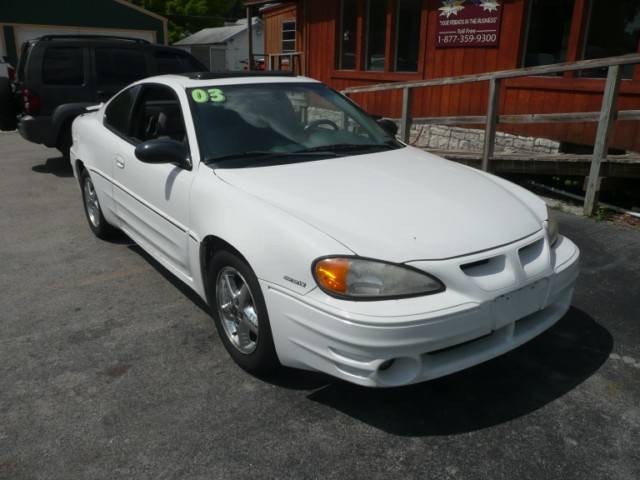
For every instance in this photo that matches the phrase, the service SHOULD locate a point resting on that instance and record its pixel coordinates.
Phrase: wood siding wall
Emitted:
(273, 27)
(317, 26)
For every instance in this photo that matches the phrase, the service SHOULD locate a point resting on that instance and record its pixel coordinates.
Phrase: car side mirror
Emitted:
(388, 126)
(164, 150)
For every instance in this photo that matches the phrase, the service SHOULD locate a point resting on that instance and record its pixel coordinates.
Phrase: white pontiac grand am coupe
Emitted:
(318, 240)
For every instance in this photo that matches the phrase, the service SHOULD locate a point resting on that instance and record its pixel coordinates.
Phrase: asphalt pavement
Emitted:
(111, 369)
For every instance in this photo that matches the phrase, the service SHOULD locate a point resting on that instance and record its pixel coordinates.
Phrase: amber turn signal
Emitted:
(331, 274)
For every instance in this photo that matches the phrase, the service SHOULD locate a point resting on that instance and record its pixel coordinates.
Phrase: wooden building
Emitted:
(358, 42)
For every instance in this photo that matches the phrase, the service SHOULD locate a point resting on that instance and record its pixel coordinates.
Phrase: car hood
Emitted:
(399, 205)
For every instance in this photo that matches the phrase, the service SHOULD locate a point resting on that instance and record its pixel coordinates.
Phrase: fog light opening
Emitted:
(398, 371)
(386, 365)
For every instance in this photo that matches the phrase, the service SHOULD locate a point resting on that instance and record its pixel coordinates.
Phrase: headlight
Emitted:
(361, 279)
(552, 226)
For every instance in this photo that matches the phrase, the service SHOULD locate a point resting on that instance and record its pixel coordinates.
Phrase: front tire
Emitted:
(92, 209)
(240, 313)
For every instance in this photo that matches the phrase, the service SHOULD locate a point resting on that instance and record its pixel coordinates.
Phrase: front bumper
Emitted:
(495, 301)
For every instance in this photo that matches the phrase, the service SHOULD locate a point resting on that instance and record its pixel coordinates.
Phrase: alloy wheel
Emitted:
(91, 203)
(237, 310)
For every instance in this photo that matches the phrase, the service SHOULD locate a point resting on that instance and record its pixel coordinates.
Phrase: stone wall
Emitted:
(441, 137)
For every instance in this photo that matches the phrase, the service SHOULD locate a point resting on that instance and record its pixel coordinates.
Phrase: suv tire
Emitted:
(65, 141)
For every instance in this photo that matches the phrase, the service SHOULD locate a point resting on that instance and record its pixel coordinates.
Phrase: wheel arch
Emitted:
(209, 245)
(63, 117)
(78, 167)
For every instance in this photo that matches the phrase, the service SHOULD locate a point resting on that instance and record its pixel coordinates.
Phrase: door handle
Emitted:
(120, 163)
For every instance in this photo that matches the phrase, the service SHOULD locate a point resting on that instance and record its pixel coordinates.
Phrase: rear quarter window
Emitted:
(176, 62)
(63, 66)
(119, 66)
(24, 57)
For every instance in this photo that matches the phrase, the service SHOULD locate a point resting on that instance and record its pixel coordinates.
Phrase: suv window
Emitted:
(119, 66)
(117, 116)
(158, 115)
(174, 62)
(63, 66)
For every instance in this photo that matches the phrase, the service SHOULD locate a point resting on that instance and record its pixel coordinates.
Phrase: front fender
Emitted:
(280, 248)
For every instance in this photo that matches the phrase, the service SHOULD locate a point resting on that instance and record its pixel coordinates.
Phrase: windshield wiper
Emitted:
(266, 155)
(349, 147)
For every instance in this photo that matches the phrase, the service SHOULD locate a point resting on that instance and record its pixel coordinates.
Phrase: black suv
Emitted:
(59, 76)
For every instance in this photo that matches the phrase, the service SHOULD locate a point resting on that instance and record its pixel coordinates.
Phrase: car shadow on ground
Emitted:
(493, 393)
(508, 387)
(58, 166)
(184, 289)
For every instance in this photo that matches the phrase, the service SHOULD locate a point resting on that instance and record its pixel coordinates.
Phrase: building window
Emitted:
(548, 32)
(376, 37)
(408, 35)
(348, 35)
(63, 66)
(288, 36)
(614, 29)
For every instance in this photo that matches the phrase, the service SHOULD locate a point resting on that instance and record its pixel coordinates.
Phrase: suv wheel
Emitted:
(65, 141)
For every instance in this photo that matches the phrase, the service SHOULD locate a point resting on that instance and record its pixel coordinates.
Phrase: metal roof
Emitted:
(215, 35)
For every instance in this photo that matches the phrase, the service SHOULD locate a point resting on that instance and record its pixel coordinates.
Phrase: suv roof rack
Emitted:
(226, 74)
(93, 37)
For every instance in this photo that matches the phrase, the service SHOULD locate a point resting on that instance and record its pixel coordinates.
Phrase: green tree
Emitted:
(189, 16)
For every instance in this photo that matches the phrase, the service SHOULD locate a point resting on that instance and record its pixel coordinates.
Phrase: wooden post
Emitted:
(250, 31)
(608, 115)
(493, 111)
(405, 121)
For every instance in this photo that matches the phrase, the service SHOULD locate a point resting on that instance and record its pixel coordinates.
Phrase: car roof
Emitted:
(225, 78)
(101, 40)
(90, 38)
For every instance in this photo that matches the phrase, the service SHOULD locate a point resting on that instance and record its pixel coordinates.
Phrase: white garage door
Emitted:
(27, 32)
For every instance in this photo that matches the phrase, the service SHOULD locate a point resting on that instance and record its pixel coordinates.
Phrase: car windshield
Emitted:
(240, 125)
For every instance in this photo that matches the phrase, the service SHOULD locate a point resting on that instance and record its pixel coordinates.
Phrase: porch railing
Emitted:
(606, 117)
(293, 61)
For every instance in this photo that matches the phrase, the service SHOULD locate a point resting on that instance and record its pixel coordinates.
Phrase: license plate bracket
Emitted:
(520, 303)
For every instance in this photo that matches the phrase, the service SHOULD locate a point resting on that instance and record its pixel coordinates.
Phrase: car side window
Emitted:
(158, 114)
(63, 66)
(117, 116)
(168, 62)
(119, 66)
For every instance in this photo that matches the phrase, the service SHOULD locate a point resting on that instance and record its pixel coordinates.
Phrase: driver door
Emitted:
(153, 199)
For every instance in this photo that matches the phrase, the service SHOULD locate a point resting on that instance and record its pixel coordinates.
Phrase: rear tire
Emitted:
(65, 141)
(99, 226)
(240, 313)
(8, 120)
